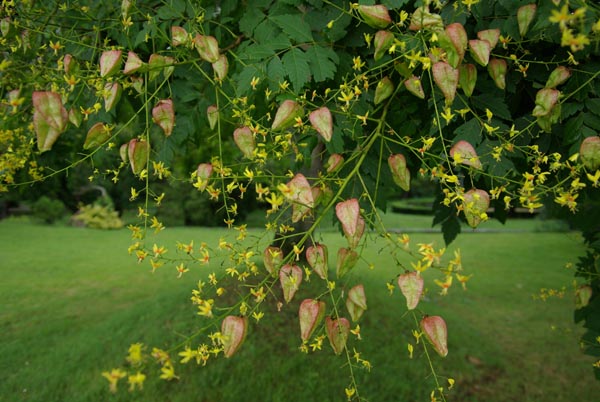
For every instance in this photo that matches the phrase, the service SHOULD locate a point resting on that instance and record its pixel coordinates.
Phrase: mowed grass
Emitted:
(72, 301)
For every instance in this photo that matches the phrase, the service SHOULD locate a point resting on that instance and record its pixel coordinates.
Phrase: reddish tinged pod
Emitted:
(411, 285)
(203, 173)
(353, 225)
(589, 152)
(525, 15)
(212, 113)
(112, 95)
(382, 42)
(490, 35)
(110, 62)
(583, 294)
(310, 314)
(244, 139)
(75, 117)
(49, 118)
(317, 258)
(286, 115)
(123, 150)
(400, 172)
(138, 152)
(290, 277)
(558, 76)
(454, 41)
(545, 100)
(158, 63)
(233, 333)
(70, 65)
(497, 70)
(163, 114)
(322, 121)
(97, 135)
(220, 67)
(422, 18)
(463, 152)
(138, 84)
(446, 78)
(356, 303)
(133, 63)
(436, 332)
(207, 47)
(334, 163)
(272, 258)
(480, 51)
(414, 86)
(467, 78)
(346, 260)
(376, 16)
(337, 332)
(301, 196)
(383, 90)
(475, 204)
(179, 36)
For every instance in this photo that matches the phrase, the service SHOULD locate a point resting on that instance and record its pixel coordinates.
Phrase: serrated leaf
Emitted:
(494, 103)
(469, 131)
(294, 27)
(295, 63)
(251, 17)
(275, 72)
(323, 62)
(450, 229)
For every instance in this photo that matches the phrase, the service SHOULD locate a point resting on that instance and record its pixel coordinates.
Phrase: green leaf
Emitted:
(450, 229)
(494, 103)
(295, 63)
(323, 62)
(275, 73)
(593, 105)
(250, 20)
(294, 27)
(244, 78)
(469, 131)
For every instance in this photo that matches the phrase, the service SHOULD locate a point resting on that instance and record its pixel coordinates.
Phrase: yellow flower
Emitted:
(113, 378)
(168, 372)
(136, 380)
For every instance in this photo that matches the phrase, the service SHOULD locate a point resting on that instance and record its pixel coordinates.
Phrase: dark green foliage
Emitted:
(48, 210)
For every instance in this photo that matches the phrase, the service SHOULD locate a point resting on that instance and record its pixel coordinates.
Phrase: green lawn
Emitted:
(73, 300)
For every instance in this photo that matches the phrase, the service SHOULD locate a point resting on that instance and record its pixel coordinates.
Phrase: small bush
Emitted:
(48, 210)
(97, 216)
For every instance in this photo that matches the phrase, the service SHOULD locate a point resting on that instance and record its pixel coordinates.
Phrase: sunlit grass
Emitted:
(73, 301)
